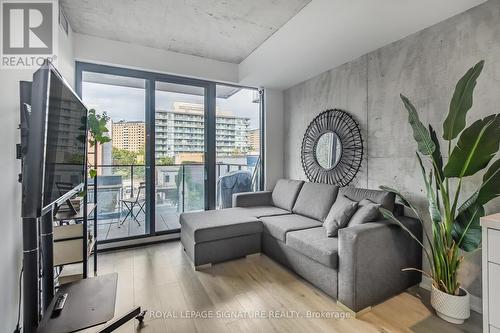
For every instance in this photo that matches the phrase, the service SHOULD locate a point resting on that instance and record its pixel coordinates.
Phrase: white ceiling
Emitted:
(328, 33)
(226, 30)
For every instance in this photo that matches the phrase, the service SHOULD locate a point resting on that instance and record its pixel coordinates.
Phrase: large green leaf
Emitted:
(425, 144)
(461, 102)
(404, 201)
(434, 210)
(436, 155)
(476, 147)
(466, 230)
(490, 188)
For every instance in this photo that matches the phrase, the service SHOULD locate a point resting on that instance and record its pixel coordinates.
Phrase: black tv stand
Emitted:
(90, 302)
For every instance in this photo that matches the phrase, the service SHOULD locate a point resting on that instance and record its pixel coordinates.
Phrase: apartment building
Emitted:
(129, 135)
(181, 130)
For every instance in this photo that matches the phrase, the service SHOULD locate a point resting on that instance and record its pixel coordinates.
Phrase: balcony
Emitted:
(178, 189)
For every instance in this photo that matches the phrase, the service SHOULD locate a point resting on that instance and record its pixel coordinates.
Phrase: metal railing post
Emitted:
(131, 181)
(183, 187)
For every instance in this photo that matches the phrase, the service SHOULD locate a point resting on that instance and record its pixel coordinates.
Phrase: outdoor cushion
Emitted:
(368, 211)
(219, 224)
(313, 243)
(278, 226)
(315, 200)
(285, 193)
(340, 214)
(386, 199)
(260, 211)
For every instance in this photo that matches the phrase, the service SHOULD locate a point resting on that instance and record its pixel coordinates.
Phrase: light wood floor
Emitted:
(161, 279)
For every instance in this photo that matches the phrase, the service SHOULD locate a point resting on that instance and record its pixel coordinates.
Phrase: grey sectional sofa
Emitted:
(360, 267)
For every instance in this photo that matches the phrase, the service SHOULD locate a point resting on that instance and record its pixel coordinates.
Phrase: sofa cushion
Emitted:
(315, 200)
(219, 224)
(261, 211)
(386, 199)
(285, 193)
(368, 211)
(341, 212)
(314, 243)
(278, 226)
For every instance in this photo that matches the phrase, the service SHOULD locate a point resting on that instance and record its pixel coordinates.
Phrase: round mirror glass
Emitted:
(328, 150)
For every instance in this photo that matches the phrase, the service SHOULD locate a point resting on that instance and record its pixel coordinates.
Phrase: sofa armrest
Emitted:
(250, 199)
(371, 257)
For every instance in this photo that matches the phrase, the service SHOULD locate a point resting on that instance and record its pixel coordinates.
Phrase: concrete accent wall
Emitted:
(424, 66)
(273, 134)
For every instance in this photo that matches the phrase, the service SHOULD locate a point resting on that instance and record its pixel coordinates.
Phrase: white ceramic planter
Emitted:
(453, 309)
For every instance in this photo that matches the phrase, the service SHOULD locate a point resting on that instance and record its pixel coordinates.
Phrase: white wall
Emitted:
(105, 51)
(10, 194)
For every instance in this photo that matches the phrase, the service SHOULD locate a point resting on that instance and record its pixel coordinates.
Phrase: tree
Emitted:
(164, 161)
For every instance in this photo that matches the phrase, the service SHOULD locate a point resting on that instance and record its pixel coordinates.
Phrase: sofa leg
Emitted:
(202, 267)
(353, 313)
(258, 254)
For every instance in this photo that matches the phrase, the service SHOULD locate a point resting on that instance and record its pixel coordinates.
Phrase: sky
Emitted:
(126, 103)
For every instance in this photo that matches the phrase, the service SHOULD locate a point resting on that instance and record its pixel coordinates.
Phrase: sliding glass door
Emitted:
(179, 152)
(120, 164)
(176, 143)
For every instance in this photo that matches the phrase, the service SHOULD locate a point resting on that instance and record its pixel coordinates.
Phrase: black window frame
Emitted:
(210, 88)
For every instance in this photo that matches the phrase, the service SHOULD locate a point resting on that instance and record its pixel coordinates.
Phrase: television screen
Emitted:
(65, 147)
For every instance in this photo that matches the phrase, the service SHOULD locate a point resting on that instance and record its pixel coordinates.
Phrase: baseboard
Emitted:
(476, 303)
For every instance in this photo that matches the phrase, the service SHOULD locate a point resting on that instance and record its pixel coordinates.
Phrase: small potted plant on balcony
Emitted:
(98, 134)
(455, 221)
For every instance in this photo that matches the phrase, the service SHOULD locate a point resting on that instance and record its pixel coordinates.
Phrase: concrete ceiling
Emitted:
(329, 33)
(226, 30)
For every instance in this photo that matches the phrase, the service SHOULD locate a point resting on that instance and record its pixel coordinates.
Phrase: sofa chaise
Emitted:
(360, 267)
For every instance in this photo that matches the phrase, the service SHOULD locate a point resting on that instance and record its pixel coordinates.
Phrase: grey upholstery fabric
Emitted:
(361, 267)
(227, 249)
(340, 214)
(218, 224)
(384, 198)
(222, 249)
(315, 200)
(285, 193)
(323, 277)
(372, 256)
(368, 211)
(262, 211)
(313, 243)
(278, 226)
(249, 199)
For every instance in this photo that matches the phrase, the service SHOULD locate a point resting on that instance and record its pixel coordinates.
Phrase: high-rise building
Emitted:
(254, 139)
(129, 135)
(182, 130)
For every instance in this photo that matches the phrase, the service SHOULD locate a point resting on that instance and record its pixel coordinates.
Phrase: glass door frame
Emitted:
(210, 133)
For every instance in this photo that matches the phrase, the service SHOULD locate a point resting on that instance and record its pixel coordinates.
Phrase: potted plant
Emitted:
(98, 134)
(455, 221)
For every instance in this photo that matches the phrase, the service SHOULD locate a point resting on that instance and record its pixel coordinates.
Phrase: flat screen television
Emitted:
(54, 166)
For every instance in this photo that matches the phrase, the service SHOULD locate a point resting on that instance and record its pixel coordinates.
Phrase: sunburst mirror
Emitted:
(332, 148)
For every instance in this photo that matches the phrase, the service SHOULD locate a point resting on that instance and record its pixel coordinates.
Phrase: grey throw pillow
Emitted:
(339, 215)
(368, 211)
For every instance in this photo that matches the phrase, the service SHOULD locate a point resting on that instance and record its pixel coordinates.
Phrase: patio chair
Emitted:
(138, 201)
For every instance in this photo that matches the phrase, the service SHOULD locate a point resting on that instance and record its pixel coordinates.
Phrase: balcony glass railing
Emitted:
(178, 189)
